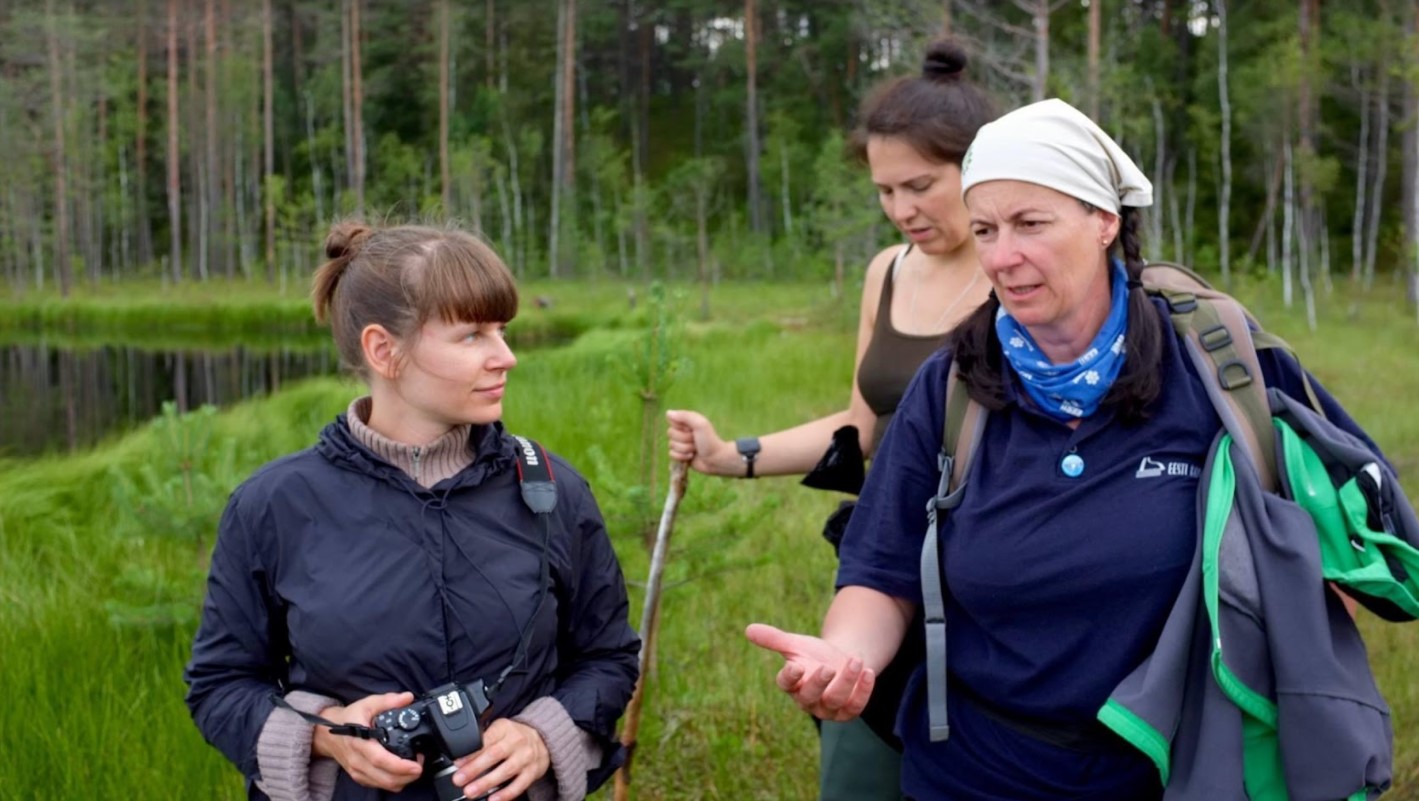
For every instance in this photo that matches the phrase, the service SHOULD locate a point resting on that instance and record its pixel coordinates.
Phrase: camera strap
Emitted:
(539, 492)
(346, 729)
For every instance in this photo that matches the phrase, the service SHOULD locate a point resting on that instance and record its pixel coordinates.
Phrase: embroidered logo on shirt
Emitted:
(1152, 468)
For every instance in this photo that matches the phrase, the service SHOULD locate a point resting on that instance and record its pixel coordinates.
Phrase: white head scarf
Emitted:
(1053, 144)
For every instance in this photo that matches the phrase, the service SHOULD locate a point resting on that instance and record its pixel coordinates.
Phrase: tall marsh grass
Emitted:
(94, 705)
(221, 314)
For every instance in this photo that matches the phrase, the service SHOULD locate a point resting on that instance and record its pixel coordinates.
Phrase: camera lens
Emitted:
(444, 787)
(408, 719)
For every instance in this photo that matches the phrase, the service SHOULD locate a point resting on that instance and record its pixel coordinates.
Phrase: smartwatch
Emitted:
(748, 448)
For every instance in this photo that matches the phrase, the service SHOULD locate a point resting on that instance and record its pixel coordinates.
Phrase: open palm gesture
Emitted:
(824, 680)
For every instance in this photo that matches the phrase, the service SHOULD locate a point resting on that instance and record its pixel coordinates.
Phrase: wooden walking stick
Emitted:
(650, 621)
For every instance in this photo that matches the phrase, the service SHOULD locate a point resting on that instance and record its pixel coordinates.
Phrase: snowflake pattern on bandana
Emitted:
(1073, 390)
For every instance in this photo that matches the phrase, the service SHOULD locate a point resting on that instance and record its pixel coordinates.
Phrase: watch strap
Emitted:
(748, 448)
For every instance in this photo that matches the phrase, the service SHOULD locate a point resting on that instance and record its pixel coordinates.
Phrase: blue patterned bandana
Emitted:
(1069, 391)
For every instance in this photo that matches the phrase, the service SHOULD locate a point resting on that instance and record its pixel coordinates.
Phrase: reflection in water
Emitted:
(54, 399)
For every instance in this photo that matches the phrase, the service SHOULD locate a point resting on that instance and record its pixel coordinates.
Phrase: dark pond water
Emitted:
(56, 399)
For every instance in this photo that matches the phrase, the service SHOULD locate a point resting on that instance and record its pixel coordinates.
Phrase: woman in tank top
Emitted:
(914, 132)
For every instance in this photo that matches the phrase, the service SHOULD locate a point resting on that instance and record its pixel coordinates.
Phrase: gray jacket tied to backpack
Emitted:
(1260, 686)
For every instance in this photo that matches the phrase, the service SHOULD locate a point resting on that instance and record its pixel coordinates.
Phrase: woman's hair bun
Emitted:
(945, 60)
(345, 239)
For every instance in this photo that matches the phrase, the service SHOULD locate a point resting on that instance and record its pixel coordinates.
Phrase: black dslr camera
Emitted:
(443, 724)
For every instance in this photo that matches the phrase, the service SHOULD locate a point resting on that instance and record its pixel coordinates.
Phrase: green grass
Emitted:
(96, 709)
(223, 313)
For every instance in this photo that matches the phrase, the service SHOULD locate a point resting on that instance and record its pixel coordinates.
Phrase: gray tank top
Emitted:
(891, 358)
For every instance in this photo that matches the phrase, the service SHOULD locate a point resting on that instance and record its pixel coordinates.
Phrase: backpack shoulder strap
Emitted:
(1217, 333)
(965, 421)
(960, 438)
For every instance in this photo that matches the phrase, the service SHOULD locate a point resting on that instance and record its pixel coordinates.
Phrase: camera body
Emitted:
(443, 724)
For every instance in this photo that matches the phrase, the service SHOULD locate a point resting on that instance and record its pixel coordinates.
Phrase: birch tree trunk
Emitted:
(196, 162)
(519, 235)
(357, 99)
(211, 201)
(1411, 164)
(1377, 187)
(567, 186)
(645, 37)
(594, 170)
(1308, 234)
(558, 151)
(1095, 13)
(751, 117)
(347, 105)
(1288, 226)
(93, 194)
(174, 154)
(232, 133)
(1224, 204)
(317, 181)
(445, 182)
(1160, 164)
(1362, 159)
(268, 139)
(145, 230)
(81, 146)
(62, 267)
(1041, 23)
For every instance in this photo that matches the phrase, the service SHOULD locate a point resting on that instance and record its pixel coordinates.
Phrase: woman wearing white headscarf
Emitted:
(1077, 530)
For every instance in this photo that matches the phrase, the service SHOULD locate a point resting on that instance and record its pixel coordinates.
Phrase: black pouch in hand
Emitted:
(841, 468)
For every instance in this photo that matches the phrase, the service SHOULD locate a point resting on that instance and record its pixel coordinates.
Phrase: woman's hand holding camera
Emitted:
(512, 758)
(368, 763)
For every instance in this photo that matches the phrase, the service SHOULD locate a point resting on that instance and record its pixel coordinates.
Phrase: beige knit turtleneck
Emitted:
(427, 464)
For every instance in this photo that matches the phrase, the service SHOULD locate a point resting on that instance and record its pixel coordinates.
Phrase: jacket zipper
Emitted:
(418, 451)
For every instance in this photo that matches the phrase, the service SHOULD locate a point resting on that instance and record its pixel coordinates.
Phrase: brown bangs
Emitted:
(461, 280)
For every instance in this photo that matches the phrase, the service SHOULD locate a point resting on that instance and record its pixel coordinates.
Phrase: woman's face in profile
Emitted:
(456, 373)
(920, 196)
(1045, 253)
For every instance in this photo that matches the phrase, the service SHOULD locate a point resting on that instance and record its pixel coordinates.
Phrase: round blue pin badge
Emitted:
(1072, 465)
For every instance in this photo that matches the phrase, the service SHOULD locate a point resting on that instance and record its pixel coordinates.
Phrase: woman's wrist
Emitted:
(320, 739)
(747, 449)
(722, 460)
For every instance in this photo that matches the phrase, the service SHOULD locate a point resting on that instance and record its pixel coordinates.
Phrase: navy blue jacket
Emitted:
(335, 572)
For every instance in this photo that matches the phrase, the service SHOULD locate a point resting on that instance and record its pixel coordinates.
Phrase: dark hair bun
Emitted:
(945, 60)
(345, 239)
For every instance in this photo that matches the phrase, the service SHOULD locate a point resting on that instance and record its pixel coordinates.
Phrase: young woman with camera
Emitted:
(398, 554)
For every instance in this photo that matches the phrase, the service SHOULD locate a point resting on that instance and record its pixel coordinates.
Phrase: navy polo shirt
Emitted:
(1055, 587)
